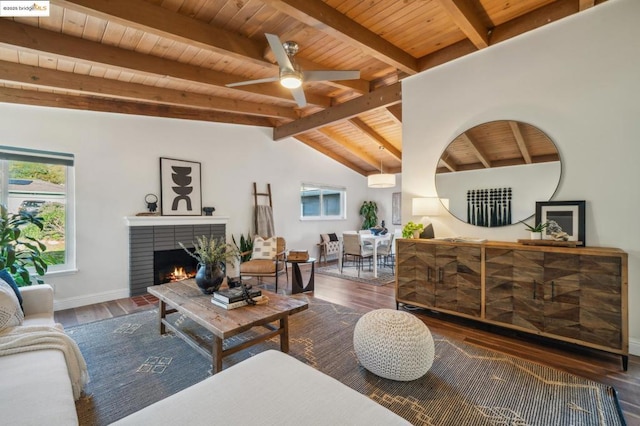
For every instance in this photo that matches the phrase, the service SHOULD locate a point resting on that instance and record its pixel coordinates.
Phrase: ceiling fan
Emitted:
(290, 75)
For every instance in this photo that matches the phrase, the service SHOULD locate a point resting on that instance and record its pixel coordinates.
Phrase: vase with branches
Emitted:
(212, 255)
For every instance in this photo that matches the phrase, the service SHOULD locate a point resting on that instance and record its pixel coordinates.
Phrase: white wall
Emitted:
(578, 81)
(117, 163)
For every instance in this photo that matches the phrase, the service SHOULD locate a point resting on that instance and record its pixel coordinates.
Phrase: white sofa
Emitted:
(271, 388)
(35, 388)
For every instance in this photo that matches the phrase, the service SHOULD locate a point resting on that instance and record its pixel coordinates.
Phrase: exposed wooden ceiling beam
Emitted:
(349, 146)
(386, 96)
(323, 17)
(40, 77)
(395, 112)
(552, 12)
(476, 150)
(311, 143)
(54, 100)
(163, 22)
(377, 138)
(517, 134)
(42, 41)
(449, 165)
(466, 18)
(542, 16)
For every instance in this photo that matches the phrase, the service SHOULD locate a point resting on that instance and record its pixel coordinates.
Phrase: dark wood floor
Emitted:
(595, 365)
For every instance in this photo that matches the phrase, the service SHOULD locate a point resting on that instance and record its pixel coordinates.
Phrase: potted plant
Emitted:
(212, 255)
(536, 230)
(369, 211)
(412, 230)
(17, 251)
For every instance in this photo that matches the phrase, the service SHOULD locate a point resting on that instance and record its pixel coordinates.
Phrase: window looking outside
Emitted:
(322, 202)
(38, 183)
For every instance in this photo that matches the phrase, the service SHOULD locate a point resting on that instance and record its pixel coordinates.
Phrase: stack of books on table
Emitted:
(231, 298)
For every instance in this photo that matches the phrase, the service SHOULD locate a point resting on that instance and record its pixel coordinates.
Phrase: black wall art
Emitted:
(181, 191)
(562, 216)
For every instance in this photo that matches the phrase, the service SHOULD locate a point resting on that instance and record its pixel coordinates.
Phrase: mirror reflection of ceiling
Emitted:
(492, 159)
(497, 144)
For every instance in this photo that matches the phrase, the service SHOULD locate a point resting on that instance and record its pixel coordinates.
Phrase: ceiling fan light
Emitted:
(381, 180)
(291, 79)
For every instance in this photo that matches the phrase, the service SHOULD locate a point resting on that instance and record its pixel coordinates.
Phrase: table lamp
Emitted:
(426, 207)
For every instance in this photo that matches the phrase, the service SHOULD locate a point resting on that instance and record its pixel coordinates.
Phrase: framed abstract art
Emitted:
(180, 187)
(565, 216)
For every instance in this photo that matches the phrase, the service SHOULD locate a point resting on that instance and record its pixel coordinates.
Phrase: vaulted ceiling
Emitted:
(174, 58)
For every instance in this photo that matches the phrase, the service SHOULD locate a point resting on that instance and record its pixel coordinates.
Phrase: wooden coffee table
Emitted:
(185, 297)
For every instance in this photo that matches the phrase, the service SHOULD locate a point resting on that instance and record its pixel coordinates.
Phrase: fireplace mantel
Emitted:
(175, 220)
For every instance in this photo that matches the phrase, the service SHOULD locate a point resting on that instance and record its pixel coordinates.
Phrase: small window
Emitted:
(322, 202)
(40, 183)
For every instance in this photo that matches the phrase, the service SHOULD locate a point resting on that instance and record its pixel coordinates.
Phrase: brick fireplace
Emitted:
(158, 237)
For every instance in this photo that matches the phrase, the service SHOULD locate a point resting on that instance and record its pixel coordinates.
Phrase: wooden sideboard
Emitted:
(577, 295)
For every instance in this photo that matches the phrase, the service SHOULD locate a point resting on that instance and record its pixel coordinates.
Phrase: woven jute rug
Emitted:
(132, 366)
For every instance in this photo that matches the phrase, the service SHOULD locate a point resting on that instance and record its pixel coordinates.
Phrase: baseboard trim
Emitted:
(634, 347)
(75, 302)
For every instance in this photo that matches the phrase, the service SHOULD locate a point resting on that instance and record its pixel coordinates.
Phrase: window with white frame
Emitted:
(322, 202)
(41, 183)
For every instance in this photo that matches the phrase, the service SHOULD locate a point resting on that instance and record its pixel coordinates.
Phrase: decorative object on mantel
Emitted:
(152, 202)
(212, 256)
(208, 211)
(180, 187)
(565, 220)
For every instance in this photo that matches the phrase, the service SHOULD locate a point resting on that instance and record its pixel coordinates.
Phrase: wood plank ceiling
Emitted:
(173, 58)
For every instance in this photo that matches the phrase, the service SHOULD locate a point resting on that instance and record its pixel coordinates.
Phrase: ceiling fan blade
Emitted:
(278, 51)
(261, 80)
(330, 75)
(298, 95)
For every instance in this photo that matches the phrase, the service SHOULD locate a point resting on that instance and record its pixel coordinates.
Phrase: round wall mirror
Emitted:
(493, 174)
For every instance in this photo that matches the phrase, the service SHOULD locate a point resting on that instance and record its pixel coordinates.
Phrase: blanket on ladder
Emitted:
(19, 339)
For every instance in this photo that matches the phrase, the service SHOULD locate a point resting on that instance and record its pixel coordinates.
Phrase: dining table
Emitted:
(375, 240)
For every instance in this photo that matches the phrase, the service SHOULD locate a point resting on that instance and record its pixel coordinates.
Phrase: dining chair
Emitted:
(353, 248)
(386, 253)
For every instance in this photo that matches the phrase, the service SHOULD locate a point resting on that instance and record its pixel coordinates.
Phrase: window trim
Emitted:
(322, 187)
(9, 153)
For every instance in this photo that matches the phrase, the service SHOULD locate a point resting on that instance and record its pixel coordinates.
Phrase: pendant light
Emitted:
(381, 180)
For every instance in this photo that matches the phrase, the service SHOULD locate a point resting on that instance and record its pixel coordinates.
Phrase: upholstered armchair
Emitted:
(329, 246)
(267, 259)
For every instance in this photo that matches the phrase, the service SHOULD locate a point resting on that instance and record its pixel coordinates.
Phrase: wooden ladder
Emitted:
(257, 194)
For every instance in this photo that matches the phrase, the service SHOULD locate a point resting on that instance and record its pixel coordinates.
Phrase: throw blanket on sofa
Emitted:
(19, 339)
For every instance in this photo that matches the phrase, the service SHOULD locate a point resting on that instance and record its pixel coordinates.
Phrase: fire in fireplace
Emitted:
(173, 265)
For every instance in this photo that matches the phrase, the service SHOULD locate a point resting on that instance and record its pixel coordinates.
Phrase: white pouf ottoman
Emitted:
(393, 344)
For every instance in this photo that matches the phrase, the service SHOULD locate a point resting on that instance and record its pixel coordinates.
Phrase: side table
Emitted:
(296, 276)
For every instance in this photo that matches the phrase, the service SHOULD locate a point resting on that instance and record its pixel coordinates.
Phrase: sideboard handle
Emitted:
(535, 287)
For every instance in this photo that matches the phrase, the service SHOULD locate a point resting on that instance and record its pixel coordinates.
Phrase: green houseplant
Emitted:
(369, 211)
(212, 255)
(536, 230)
(410, 228)
(245, 247)
(18, 251)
